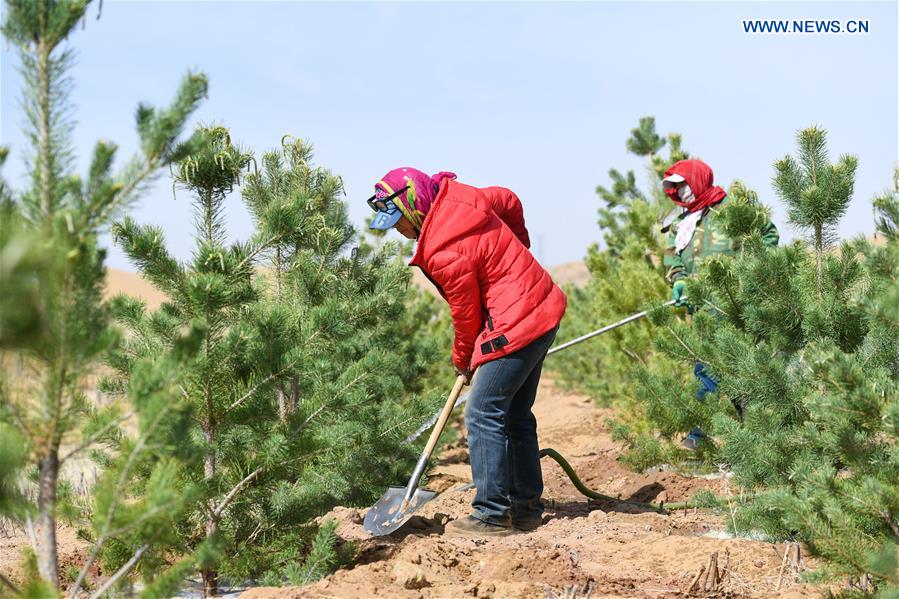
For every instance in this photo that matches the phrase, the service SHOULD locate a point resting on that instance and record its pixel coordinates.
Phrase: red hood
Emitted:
(700, 178)
(452, 215)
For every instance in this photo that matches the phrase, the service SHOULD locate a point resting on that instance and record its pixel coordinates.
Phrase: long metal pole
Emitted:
(462, 399)
(605, 329)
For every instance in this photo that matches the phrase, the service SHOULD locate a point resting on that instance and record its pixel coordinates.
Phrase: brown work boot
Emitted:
(527, 524)
(469, 526)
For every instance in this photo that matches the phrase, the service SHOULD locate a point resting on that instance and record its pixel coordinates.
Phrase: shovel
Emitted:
(398, 504)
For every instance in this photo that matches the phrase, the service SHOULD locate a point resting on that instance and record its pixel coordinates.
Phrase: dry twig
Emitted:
(725, 572)
(711, 582)
(695, 581)
(783, 566)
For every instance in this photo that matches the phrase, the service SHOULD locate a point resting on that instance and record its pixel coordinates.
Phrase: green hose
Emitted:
(662, 508)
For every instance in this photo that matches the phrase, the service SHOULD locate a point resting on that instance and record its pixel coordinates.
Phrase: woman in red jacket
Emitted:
(473, 245)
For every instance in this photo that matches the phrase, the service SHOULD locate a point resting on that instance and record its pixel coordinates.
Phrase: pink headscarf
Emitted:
(416, 202)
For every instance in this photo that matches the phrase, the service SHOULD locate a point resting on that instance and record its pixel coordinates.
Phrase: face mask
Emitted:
(685, 193)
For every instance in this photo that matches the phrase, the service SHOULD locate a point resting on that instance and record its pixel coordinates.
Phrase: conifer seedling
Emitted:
(53, 275)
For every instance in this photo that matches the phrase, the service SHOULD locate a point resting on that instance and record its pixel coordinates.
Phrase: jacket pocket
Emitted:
(493, 345)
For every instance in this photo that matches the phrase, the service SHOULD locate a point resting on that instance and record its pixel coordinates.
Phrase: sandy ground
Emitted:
(584, 549)
(72, 551)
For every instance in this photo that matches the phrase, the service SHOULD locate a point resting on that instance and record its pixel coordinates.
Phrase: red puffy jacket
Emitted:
(474, 247)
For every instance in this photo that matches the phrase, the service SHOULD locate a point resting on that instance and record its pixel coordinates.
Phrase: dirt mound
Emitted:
(71, 551)
(584, 548)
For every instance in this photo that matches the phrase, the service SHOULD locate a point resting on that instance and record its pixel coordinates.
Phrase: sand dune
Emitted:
(574, 273)
(131, 283)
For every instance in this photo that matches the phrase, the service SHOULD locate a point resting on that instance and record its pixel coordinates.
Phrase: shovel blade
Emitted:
(389, 513)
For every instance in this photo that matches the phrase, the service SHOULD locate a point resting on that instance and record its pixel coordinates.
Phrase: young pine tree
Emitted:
(52, 258)
(353, 356)
(627, 275)
(804, 342)
(301, 389)
(816, 192)
(297, 206)
(212, 293)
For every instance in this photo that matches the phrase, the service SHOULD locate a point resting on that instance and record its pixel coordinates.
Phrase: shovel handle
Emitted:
(435, 435)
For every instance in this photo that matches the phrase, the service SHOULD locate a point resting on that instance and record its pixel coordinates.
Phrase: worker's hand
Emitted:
(464, 372)
(679, 293)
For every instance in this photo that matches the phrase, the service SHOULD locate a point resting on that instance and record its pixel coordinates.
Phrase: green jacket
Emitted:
(708, 239)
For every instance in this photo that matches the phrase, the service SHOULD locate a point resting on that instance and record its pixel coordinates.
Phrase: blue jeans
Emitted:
(502, 435)
(707, 384)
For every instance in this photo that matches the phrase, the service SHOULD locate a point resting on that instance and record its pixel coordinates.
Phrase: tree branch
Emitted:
(395, 426)
(234, 491)
(259, 248)
(23, 427)
(121, 571)
(683, 343)
(10, 584)
(29, 526)
(90, 441)
(311, 416)
(892, 524)
(120, 483)
(256, 387)
(142, 518)
(267, 379)
(122, 194)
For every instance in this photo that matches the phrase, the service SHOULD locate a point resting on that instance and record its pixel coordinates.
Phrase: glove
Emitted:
(679, 293)
(464, 372)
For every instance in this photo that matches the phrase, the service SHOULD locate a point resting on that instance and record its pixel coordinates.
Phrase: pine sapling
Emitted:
(803, 343)
(630, 220)
(297, 205)
(817, 193)
(66, 213)
(211, 293)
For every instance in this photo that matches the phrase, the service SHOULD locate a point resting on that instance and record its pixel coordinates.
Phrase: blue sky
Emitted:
(537, 97)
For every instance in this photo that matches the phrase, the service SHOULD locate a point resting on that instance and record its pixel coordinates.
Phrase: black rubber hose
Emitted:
(662, 508)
